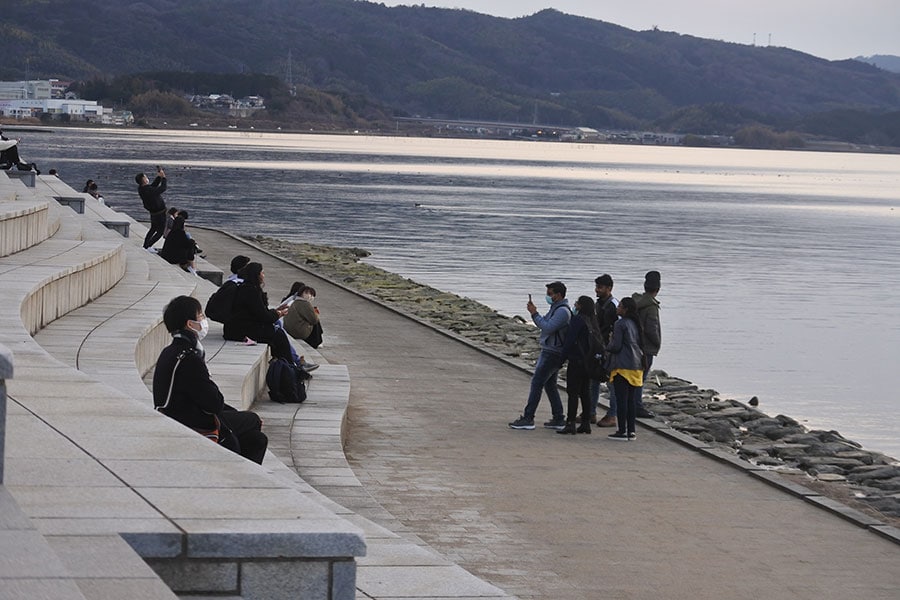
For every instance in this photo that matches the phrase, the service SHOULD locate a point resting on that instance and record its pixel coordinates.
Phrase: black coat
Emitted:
(151, 195)
(195, 398)
(250, 316)
(178, 247)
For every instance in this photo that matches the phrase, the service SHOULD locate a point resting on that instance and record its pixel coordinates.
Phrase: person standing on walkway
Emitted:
(151, 197)
(605, 309)
(625, 367)
(553, 328)
(578, 351)
(651, 336)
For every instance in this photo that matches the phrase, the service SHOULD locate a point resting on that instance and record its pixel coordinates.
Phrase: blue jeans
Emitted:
(544, 379)
(595, 398)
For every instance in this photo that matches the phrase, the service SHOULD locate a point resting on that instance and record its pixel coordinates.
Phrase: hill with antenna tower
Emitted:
(371, 61)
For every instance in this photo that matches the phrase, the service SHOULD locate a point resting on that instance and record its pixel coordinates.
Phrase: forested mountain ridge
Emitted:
(557, 68)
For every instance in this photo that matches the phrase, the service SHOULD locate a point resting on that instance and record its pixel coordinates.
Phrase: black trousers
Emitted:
(578, 386)
(626, 404)
(157, 227)
(247, 438)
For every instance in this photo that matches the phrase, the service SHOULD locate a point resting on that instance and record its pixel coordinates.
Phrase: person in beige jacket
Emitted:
(302, 318)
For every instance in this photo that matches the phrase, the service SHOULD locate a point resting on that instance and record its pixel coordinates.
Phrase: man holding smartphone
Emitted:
(151, 197)
(553, 328)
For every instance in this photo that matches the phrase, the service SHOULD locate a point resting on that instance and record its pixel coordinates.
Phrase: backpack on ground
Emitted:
(220, 305)
(285, 382)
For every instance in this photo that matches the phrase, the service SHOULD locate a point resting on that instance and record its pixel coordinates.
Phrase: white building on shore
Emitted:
(44, 99)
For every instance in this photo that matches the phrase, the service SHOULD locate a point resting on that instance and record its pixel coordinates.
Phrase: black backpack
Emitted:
(286, 382)
(220, 305)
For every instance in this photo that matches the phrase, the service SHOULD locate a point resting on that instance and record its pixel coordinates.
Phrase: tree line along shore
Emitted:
(824, 461)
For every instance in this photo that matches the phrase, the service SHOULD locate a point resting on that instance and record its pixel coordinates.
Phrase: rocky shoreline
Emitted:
(824, 461)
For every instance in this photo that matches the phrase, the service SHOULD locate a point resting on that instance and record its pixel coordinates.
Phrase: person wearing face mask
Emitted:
(302, 319)
(184, 391)
(577, 350)
(553, 326)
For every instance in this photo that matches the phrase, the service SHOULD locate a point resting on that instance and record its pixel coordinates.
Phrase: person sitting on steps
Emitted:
(184, 391)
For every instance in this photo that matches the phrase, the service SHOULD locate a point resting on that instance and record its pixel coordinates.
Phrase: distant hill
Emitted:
(888, 62)
(550, 67)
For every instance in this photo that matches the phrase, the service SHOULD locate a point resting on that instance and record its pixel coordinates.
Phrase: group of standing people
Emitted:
(604, 341)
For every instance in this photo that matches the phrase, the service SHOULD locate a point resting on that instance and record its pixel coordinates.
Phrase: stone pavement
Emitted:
(557, 517)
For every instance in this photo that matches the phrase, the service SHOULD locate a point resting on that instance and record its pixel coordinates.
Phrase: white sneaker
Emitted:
(152, 250)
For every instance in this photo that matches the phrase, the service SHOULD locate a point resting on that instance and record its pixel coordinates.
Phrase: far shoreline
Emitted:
(826, 146)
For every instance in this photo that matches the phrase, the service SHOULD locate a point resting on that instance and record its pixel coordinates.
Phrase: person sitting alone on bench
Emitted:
(184, 391)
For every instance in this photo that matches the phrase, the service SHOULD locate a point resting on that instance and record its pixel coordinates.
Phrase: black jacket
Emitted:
(250, 315)
(606, 317)
(194, 398)
(151, 195)
(178, 248)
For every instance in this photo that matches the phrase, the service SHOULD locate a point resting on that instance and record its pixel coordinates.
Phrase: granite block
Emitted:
(281, 580)
(219, 577)
(270, 541)
(343, 580)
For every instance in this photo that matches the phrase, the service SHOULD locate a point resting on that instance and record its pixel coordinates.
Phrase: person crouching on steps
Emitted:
(577, 350)
(184, 391)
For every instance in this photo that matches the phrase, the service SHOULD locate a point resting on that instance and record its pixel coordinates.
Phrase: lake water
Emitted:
(780, 270)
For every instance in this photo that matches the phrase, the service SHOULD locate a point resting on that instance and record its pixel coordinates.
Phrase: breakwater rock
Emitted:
(823, 460)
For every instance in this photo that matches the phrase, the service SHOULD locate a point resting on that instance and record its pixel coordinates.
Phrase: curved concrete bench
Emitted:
(22, 225)
(91, 467)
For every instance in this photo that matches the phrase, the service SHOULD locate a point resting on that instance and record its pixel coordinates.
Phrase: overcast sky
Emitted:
(832, 29)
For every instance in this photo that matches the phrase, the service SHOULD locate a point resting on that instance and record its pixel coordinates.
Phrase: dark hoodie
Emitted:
(648, 315)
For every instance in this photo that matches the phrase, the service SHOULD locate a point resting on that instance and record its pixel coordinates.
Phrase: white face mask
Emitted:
(204, 328)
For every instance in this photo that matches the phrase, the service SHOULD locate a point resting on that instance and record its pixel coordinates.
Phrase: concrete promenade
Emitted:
(547, 516)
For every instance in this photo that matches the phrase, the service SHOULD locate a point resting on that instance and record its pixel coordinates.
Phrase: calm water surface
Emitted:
(780, 269)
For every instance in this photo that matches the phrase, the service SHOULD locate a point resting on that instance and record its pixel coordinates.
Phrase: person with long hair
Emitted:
(251, 316)
(626, 370)
(577, 350)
